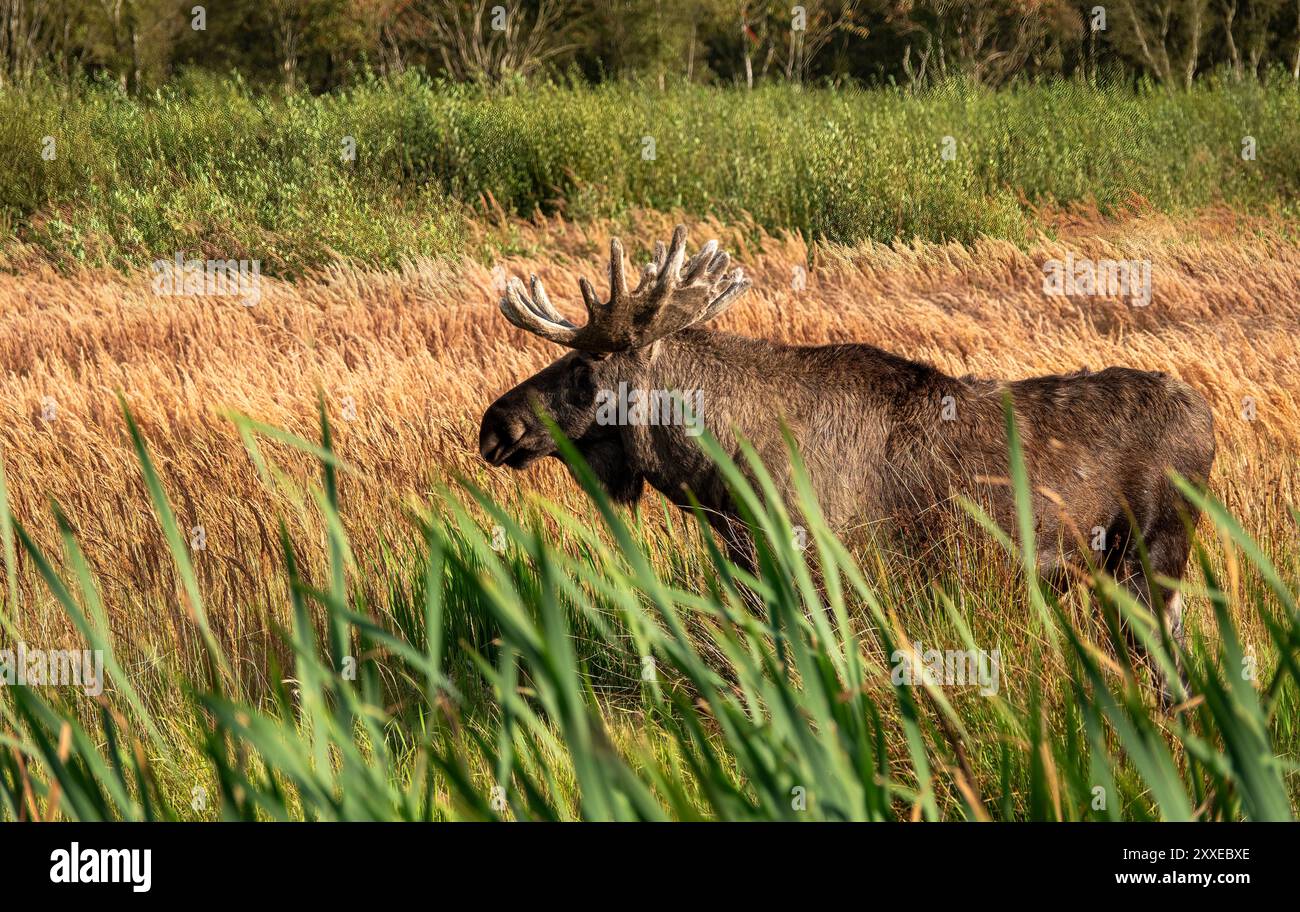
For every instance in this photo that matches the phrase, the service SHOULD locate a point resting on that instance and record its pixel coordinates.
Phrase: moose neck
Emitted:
(837, 401)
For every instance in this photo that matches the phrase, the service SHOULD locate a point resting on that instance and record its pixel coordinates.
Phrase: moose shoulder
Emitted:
(888, 442)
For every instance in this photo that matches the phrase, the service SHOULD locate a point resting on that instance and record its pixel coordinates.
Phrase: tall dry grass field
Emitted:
(407, 360)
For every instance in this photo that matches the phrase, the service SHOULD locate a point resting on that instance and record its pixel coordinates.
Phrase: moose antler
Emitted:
(673, 294)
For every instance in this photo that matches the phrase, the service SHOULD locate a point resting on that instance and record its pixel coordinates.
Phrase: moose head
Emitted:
(621, 336)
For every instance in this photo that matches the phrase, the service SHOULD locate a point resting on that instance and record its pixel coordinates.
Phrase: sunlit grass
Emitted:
(756, 697)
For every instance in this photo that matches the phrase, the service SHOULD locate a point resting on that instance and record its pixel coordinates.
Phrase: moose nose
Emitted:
(497, 441)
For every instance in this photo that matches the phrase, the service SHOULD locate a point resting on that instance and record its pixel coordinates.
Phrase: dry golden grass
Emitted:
(423, 351)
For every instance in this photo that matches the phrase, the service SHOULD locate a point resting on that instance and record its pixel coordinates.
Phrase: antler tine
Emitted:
(670, 270)
(648, 273)
(537, 317)
(737, 285)
(542, 303)
(719, 264)
(617, 280)
(696, 264)
(720, 293)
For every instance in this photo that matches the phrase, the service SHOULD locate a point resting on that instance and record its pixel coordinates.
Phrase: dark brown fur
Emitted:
(881, 454)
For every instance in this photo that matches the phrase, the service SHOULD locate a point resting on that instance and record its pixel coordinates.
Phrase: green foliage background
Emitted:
(210, 167)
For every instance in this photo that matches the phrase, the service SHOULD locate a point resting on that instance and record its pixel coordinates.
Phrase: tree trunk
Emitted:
(1194, 39)
(749, 59)
(690, 58)
(135, 55)
(1295, 68)
(1229, 14)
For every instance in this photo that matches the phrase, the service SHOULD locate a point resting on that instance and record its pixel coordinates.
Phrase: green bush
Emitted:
(209, 167)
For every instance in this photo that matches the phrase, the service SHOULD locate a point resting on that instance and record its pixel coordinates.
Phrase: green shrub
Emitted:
(208, 166)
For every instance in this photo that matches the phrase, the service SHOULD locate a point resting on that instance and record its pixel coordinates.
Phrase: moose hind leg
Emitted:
(1168, 546)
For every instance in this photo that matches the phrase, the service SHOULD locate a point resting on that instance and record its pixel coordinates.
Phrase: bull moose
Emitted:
(887, 442)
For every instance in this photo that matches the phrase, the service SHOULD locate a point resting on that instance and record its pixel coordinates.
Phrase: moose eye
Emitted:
(581, 375)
